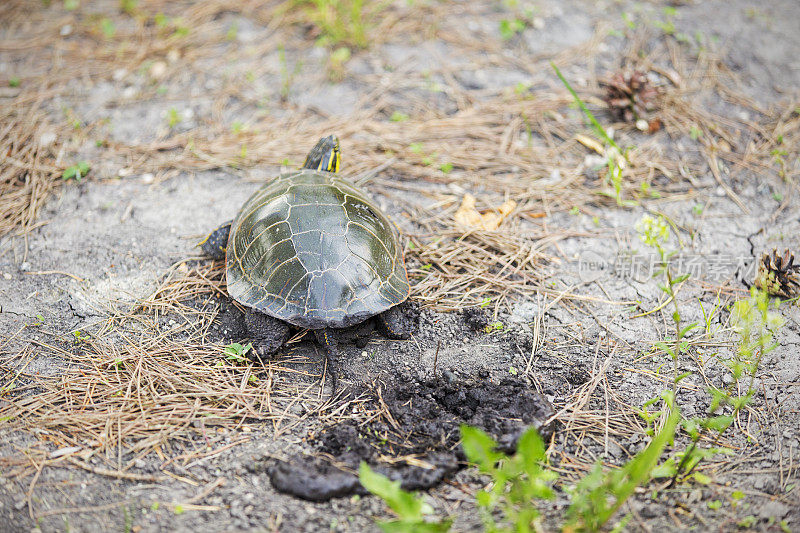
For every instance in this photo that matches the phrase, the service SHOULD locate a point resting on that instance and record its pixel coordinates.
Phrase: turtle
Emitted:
(310, 250)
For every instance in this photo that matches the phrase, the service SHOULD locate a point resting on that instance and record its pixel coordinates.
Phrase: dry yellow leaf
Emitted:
(588, 142)
(468, 216)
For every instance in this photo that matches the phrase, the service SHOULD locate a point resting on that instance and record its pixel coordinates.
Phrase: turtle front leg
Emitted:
(215, 244)
(330, 342)
(268, 333)
(393, 324)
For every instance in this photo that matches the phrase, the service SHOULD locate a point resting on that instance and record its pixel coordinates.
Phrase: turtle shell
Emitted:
(311, 249)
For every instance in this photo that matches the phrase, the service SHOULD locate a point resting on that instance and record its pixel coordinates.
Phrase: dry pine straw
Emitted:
(142, 383)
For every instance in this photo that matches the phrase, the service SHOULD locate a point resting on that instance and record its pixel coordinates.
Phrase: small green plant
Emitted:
(409, 508)
(81, 336)
(398, 116)
(108, 28)
(616, 158)
(13, 82)
(173, 117)
(511, 27)
(76, 172)
(600, 493)
(494, 326)
(232, 32)
(341, 22)
(654, 232)
(237, 352)
(668, 24)
(628, 20)
(755, 320)
(508, 504)
(517, 481)
(779, 157)
(165, 23)
(336, 62)
(287, 76)
(129, 7)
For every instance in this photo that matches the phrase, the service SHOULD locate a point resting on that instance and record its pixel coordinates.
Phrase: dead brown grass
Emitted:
(143, 384)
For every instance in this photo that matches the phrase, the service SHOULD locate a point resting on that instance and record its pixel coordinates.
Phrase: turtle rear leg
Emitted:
(392, 324)
(330, 342)
(268, 333)
(215, 244)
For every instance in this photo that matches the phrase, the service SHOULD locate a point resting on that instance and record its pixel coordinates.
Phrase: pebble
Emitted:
(119, 74)
(158, 69)
(66, 29)
(148, 178)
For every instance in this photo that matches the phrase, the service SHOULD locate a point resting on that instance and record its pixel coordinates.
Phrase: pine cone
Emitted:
(778, 275)
(629, 95)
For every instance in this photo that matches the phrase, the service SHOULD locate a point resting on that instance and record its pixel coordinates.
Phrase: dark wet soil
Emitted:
(418, 430)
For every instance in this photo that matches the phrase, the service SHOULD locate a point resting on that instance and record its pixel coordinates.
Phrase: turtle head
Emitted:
(325, 155)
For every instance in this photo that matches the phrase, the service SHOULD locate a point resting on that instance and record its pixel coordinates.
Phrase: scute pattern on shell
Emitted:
(311, 249)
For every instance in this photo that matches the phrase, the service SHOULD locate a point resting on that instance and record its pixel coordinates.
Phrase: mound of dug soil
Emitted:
(414, 438)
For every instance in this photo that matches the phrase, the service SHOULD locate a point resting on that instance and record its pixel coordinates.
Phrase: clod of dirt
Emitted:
(577, 375)
(475, 318)
(418, 427)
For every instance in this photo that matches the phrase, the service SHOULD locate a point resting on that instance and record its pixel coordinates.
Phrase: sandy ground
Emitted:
(107, 242)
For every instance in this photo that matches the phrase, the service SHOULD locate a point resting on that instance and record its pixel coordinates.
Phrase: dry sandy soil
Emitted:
(119, 409)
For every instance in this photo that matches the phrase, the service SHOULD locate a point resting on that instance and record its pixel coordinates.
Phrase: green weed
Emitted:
(616, 158)
(342, 22)
(77, 171)
(511, 27)
(108, 28)
(129, 7)
(508, 504)
(336, 62)
(755, 320)
(237, 352)
(600, 493)
(409, 508)
(287, 76)
(398, 116)
(173, 117)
